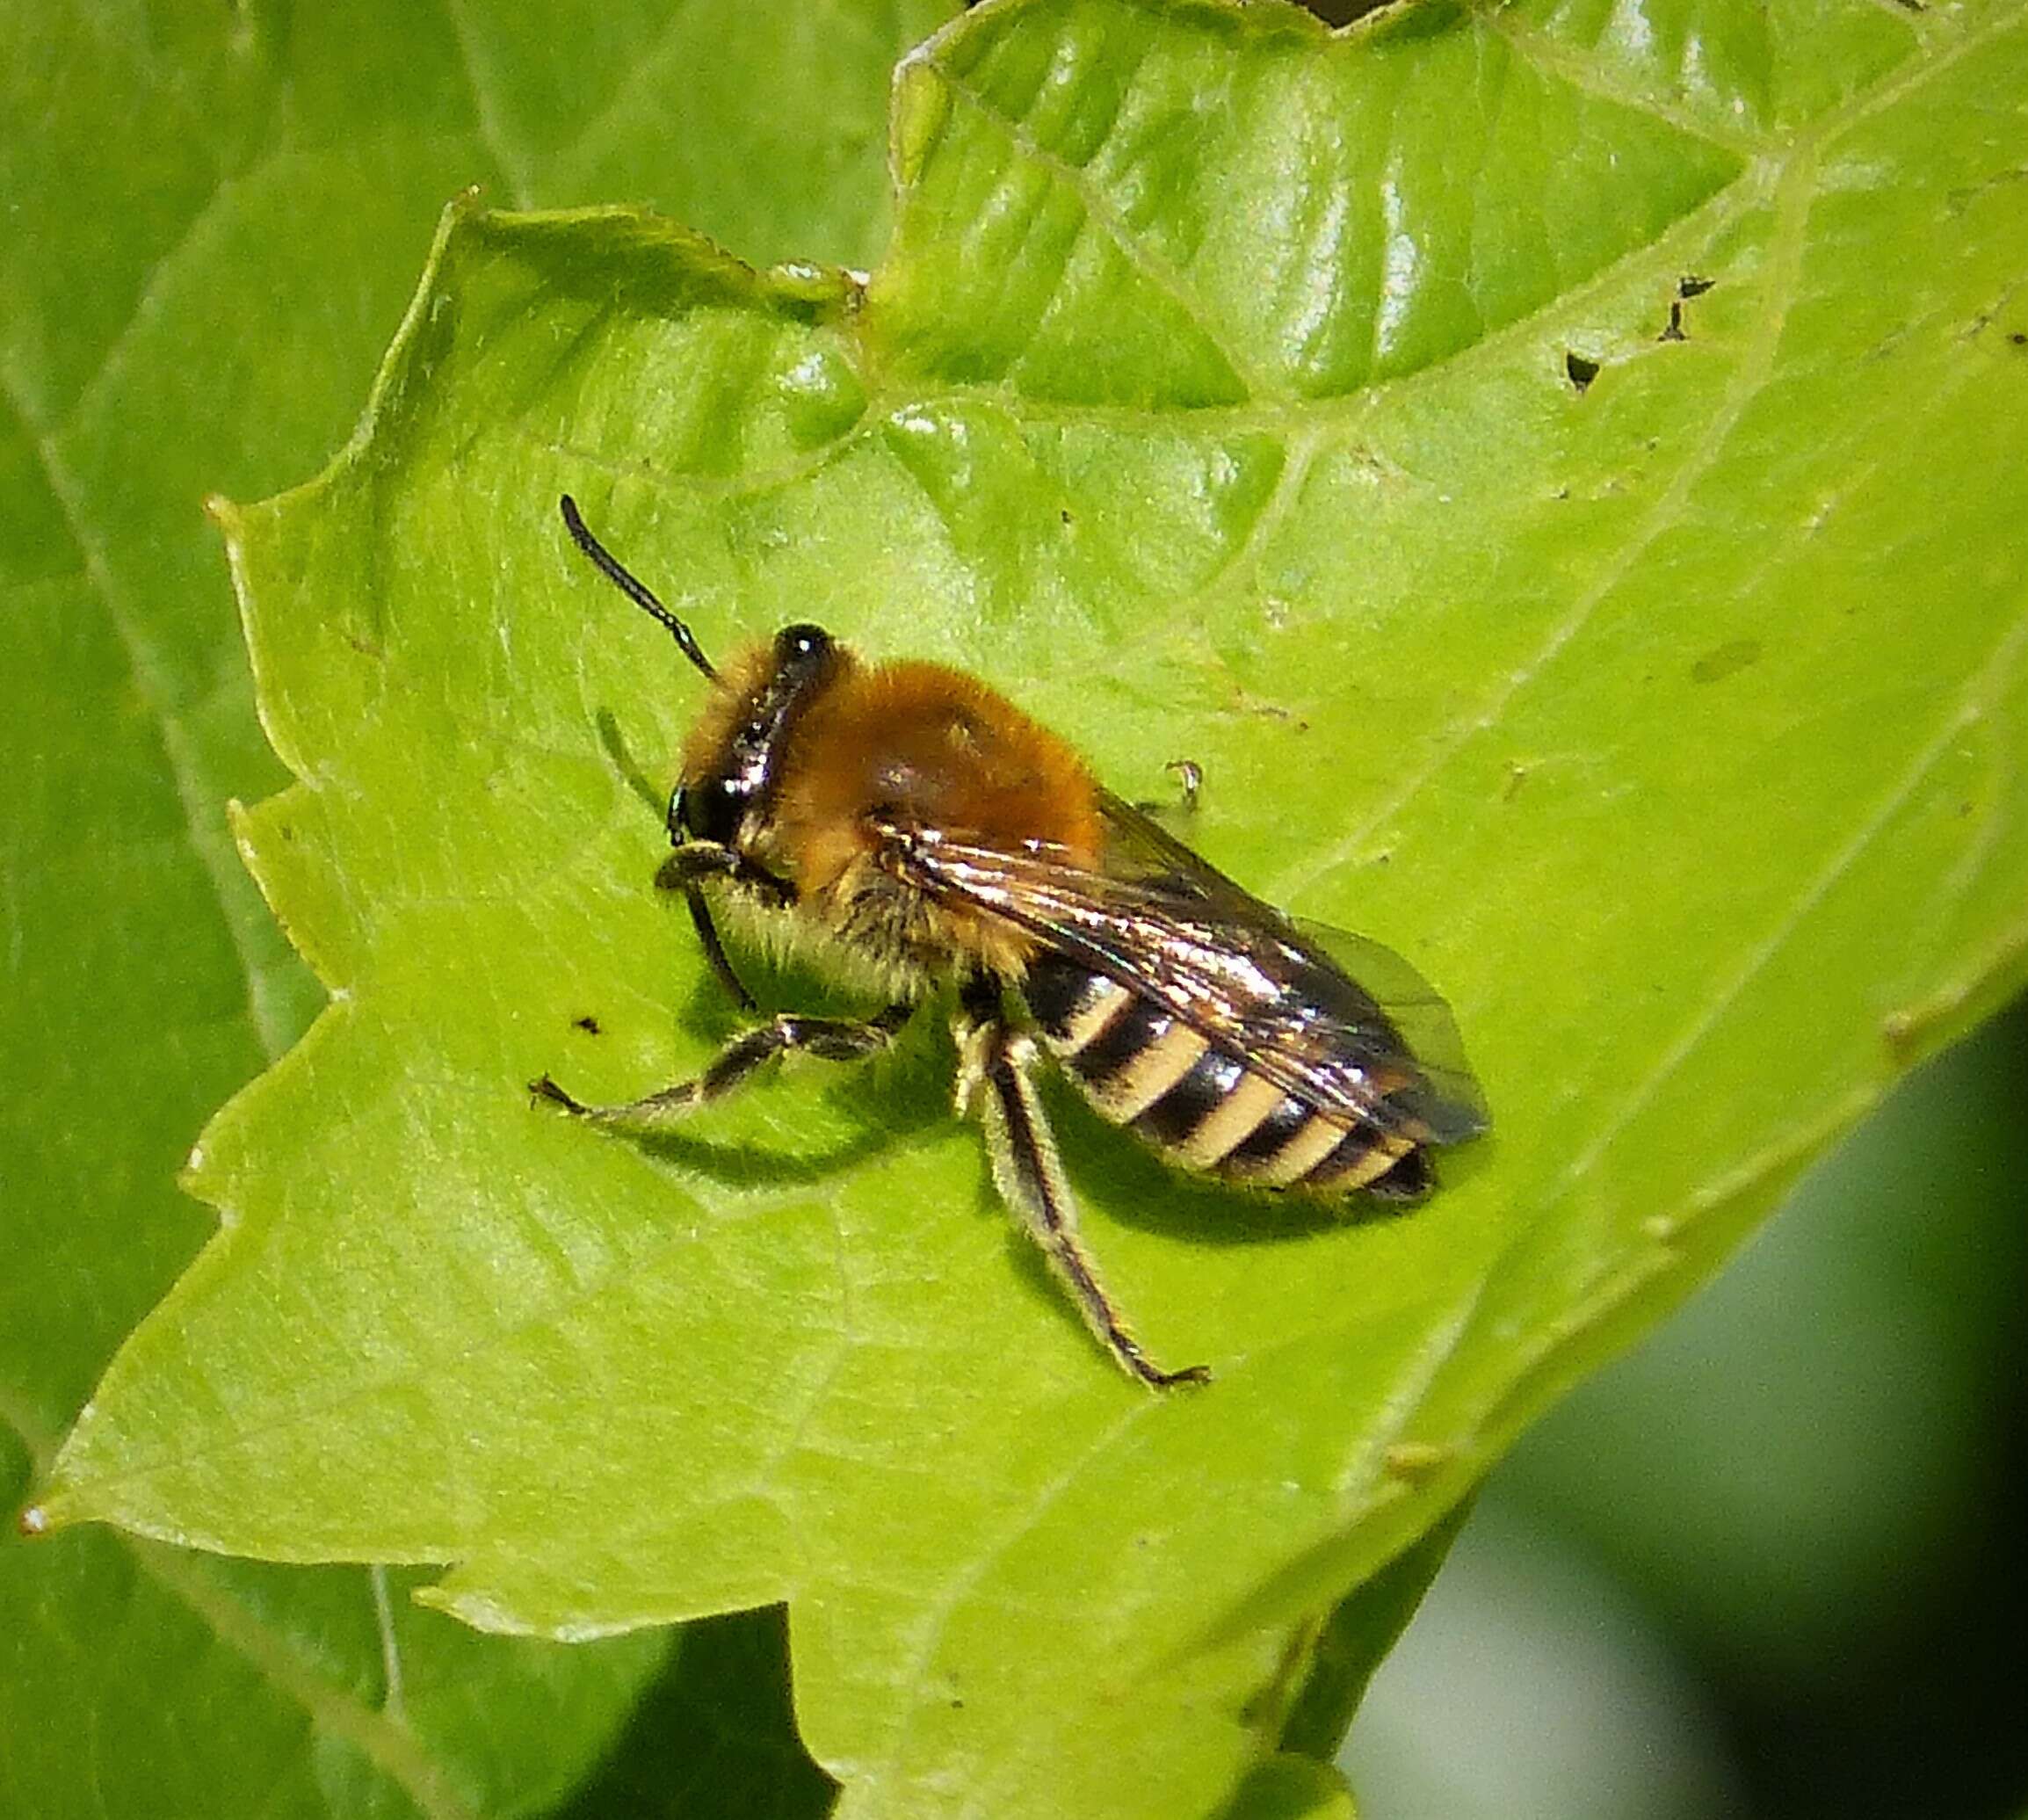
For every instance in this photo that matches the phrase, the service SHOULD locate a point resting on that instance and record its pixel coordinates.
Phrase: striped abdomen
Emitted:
(1201, 1104)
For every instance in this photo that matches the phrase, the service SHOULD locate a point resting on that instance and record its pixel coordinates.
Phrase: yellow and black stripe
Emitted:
(1199, 1102)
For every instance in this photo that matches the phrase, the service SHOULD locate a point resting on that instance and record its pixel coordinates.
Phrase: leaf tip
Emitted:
(919, 111)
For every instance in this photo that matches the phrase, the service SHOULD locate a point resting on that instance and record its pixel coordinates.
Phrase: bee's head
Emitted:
(731, 763)
(737, 768)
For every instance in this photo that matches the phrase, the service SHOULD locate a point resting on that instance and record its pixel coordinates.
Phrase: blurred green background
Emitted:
(1771, 1563)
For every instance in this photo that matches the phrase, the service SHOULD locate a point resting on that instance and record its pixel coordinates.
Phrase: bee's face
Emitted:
(738, 772)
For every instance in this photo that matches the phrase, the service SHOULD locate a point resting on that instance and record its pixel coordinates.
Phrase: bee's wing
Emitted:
(1455, 1108)
(1166, 925)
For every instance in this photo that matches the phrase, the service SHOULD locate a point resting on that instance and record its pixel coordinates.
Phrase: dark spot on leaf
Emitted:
(1689, 286)
(2019, 337)
(1726, 660)
(1672, 330)
(588, 1024)
(1063, 512)
(1580, 370)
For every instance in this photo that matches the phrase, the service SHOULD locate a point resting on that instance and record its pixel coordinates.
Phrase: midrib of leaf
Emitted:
(272, 1026)
(377, 1735)
(1144, 259)
(1578, 71)
(390, 1644)
(520, 187)
(389, 1746)
(1792, 208)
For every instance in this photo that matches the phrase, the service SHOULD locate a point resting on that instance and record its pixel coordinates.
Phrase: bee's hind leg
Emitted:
(834, 1038)
(997, 1078)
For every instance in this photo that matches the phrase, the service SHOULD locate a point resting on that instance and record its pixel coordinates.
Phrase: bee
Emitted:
(909, 825)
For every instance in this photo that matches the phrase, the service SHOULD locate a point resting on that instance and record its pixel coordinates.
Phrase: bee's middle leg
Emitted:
(833, 1038)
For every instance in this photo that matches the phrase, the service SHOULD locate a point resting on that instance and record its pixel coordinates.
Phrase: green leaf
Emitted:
(1353, 1641)
(1218, 396)
(213, 221)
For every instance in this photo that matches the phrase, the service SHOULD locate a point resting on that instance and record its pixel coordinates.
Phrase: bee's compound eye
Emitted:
(711, 809)
(800, 644)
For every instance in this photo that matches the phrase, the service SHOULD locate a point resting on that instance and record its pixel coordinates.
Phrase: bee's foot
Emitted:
(542, 1088)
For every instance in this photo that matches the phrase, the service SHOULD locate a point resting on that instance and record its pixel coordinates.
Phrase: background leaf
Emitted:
(1750, 662)
(212, 226)
(1768, 1564)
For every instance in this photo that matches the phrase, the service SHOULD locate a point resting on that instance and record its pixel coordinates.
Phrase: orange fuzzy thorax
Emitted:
(932, 747)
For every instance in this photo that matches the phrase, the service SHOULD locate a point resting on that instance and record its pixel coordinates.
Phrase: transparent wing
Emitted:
(1339, 1021)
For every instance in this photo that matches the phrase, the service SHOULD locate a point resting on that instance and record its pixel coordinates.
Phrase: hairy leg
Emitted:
(999, 1082)
(834, 1038)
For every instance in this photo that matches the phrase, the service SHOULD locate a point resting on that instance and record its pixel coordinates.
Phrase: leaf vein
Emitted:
(388, 1745)
(1150, 264)
(1587, 75)
(520, 188)
(209, 841)
(1794, 190)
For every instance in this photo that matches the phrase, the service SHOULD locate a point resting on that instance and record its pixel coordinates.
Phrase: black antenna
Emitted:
(636, 591)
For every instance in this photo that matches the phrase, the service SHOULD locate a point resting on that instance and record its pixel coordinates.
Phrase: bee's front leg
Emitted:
(686, 869)
(695, 862)
(834, 1038)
